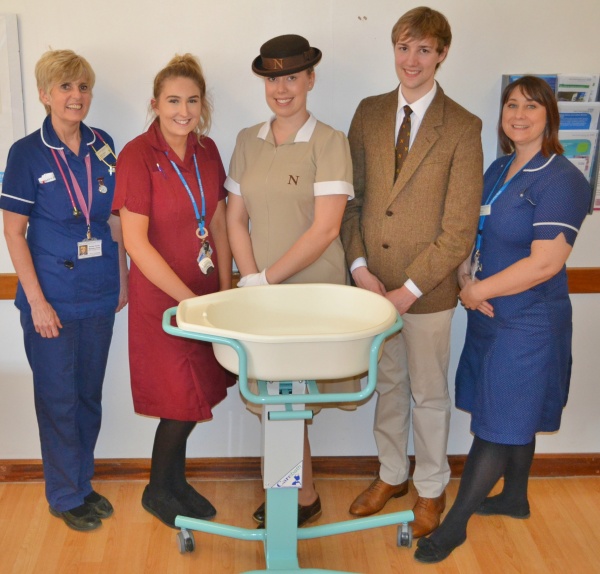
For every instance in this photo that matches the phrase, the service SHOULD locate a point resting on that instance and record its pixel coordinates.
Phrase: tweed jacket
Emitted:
(422, 226)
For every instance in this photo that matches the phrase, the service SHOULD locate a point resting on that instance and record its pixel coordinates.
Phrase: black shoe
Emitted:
(429, 552)
(494, 505)
(200, 506)
(166, 507)
(81, 518)
(99, 504)
(259, 514)
(306, 514)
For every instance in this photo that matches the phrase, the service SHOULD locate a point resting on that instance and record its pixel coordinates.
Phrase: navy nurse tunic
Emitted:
(514, 371)
(33, 186)
(68, 370)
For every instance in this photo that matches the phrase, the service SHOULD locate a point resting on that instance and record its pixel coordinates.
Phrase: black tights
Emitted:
(167, 473)
(486, 463)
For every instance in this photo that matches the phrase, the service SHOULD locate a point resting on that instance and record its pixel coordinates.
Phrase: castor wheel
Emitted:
(405, 535)
(185, 541)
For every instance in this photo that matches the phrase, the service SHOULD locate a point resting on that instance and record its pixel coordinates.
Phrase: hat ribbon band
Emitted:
(287, 63)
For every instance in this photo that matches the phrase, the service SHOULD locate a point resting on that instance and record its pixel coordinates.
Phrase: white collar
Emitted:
(420, 106)
(302, 135)
(546, 164)
(53, 134)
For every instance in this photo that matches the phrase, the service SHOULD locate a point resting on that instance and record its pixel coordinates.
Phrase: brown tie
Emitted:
(403, 141)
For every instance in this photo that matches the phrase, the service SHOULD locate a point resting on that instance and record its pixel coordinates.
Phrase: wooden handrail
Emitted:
(584, 279)
(581, 280)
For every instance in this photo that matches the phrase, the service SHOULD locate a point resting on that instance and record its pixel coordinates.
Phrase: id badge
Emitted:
(204, 258)
(89, 248)
(206, 251)
(475, 265)
(103, 152)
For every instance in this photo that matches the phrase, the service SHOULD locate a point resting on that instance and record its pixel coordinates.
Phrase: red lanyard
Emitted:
(85, 207)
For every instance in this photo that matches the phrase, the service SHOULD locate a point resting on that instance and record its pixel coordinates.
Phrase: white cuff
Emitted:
(232, 186)
(409, 284)
(358, 262)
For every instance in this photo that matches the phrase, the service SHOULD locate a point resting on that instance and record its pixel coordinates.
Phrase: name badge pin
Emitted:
(101, 187)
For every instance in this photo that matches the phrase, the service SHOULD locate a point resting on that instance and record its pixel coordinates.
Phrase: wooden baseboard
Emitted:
(248, 468)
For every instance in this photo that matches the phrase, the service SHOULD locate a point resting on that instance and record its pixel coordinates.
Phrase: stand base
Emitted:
(280, 540)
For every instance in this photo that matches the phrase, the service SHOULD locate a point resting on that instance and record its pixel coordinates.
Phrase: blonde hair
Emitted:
(60, 66)
(186, 66)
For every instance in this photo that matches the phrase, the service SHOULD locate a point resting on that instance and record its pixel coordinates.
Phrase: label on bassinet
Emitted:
(292, 479)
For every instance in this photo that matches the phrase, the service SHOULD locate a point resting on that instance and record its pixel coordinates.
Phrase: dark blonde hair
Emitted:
(538, 90)
(420, 23)
(60, 66)
(187, 66)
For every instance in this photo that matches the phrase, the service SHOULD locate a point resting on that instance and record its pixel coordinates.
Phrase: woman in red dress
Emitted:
(170, 195)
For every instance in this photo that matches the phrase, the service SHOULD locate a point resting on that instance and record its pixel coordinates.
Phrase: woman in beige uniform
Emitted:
(291, 178)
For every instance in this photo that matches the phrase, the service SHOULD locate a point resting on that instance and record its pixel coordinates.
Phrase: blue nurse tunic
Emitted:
(514, 371)
(68, 371)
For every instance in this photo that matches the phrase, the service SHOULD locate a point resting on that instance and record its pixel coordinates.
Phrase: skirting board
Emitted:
(248, 468)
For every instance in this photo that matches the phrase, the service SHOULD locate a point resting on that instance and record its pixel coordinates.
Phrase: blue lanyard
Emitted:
(493, 196)
(199, 219)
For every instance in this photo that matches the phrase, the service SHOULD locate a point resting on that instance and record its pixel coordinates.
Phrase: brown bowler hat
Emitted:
(284, 55)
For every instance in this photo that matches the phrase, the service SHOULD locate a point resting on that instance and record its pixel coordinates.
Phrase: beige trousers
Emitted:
(414, 364)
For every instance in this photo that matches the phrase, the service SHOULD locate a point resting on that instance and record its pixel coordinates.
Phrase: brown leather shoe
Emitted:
(374, 498)
(427, 513)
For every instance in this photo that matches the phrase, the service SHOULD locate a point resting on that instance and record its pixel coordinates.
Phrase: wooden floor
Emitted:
(562, 535)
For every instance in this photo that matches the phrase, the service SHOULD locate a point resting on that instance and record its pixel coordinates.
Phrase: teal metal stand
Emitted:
(281, 533)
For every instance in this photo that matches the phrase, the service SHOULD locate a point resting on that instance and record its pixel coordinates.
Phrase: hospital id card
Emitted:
(103, 152)
(89, 248)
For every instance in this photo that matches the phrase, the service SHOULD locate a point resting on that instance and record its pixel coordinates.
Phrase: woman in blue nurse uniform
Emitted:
(515, 368)
(66, 249)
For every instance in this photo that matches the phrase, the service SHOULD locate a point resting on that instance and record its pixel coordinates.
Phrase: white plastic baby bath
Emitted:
(292, 332)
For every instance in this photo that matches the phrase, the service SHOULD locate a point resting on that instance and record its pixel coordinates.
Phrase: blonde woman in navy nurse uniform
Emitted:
(66, 249)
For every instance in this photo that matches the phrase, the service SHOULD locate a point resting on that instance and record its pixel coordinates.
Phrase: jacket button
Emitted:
(69, 264)
(389, 213)
(385, 246)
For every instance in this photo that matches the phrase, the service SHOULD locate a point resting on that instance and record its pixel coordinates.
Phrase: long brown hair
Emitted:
(538, 90)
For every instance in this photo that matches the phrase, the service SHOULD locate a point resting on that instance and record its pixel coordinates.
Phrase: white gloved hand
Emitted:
(254, 279)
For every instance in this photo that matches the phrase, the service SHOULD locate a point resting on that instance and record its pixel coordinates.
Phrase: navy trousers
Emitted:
(68, 372)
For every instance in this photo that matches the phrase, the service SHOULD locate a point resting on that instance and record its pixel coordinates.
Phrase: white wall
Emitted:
(128, 42)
